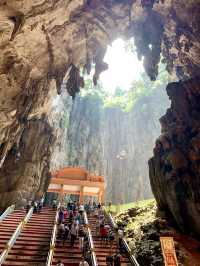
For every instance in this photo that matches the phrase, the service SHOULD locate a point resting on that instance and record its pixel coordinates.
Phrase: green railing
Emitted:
(9, 210)
(14, 237)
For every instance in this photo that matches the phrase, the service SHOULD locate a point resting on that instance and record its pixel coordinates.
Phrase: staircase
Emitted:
(8, 226)
(68, 255)
(32, 245)
(102, 251)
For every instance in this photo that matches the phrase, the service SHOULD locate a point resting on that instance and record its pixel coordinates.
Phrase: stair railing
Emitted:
(15, 235)
(125, 244)
(9, 210)
(90, 239)
(53, 238)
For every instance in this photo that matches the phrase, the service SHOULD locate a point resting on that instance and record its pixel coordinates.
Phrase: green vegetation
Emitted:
(126, 99)
(140, 88)
(116, 209)
(93, 92)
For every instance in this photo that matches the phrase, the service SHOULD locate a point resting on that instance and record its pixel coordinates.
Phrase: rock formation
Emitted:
(115, 143)
(43, 41)
(174, 168)
(128, 138)
(26, 170)
(84, 143)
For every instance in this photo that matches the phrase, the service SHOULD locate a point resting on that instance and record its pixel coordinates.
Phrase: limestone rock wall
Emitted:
(84, 135)
(174, 168)
(61, 123)
(127, 141)
(115, 143)
(43, 41)
(26, 171)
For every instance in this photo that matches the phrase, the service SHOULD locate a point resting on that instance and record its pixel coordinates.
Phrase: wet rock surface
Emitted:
(174, 169)
(26, 173)
(41, 42)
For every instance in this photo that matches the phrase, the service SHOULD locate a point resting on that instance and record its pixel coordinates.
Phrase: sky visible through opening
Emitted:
(124, 67)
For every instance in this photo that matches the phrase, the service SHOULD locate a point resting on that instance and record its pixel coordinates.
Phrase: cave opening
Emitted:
(44, 52)
(114, 124)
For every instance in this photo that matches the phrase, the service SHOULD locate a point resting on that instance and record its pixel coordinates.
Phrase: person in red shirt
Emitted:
(103, 234)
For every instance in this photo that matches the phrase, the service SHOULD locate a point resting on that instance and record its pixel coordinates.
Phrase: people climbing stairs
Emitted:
(78, 240)
(105, 247)
(32, 245)
(64, 251)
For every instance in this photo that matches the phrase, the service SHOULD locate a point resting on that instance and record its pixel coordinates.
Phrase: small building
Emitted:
(77, 181)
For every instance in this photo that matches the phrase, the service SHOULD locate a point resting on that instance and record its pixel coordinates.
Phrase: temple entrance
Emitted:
(77, 181)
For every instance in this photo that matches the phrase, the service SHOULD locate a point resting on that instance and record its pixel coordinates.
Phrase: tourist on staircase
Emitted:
(28, 206)
(83, 262)
(109, 259)
(35, 206)
(73, 233)
(61, 230)
(81, 209)
(61, 218)
(103, 234)
(99, 206)
(111, 238)
(54, 204)
(40, 204)
(71, 218)
(60, 263)
(82, 235)
(117, 259)
(65, 234)
(120, 235)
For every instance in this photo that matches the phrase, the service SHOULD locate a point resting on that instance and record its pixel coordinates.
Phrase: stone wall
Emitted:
(41, 42)
(115, 143)
(26, 173)
(174, 168)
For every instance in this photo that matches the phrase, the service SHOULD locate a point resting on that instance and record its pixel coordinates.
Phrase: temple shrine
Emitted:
(77, 181)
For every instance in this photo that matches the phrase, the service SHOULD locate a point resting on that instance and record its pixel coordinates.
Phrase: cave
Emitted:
(46, 46)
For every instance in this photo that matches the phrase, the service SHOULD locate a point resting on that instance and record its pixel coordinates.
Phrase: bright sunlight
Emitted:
(124, 67)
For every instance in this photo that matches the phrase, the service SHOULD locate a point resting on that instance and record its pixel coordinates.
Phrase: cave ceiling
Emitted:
(43, 41)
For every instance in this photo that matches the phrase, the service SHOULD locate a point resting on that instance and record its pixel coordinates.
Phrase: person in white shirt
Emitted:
(61, 230)
(83, 262)
(81, 209)
(120, 234)
(73, 233)
(60, 263)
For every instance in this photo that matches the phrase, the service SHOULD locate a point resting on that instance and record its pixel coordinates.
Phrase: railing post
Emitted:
(15, 235)
(53, 238)
(126, 246)
(9, 210)
(93, 255)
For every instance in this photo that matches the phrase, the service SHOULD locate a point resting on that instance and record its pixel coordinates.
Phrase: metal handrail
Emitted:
(132, 258)
(93, 255)
(126, 246)
(9, 210)
(15, 235)
(53, 238)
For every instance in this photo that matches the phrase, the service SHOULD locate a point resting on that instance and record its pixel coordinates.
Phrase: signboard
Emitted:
(168, 250)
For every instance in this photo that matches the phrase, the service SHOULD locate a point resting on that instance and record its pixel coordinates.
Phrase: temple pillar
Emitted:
(100, 195)
(81, 195)
(61, 195)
